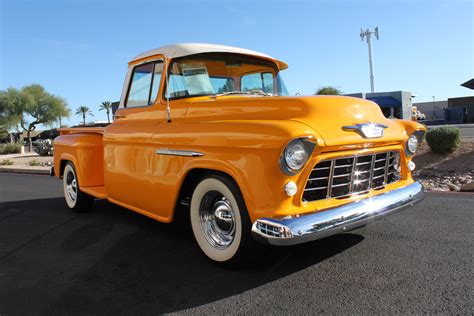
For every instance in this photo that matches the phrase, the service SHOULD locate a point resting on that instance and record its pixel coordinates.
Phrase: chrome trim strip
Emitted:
(350, 216)
(175, 152)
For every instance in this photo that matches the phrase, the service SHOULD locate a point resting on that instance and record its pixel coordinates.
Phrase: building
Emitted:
(434, 110)
(460, 110)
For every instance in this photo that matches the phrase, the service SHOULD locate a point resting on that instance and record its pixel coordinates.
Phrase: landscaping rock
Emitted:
(468, 187)
(454, 187)
(446, 172)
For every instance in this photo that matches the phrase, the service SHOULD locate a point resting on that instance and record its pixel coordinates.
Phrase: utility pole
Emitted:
(368, 33)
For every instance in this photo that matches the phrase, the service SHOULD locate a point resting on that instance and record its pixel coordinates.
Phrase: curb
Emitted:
(468, 125)
(451, 192)
(25, 171)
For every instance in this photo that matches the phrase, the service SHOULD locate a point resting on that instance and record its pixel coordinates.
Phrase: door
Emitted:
(128, 149)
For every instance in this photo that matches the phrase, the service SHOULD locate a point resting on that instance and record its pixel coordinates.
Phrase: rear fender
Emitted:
(86, 152)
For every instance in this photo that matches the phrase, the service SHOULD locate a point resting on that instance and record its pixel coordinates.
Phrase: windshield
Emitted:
(221, 74)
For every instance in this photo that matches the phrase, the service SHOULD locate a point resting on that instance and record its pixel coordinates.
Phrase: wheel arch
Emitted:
(189, 183)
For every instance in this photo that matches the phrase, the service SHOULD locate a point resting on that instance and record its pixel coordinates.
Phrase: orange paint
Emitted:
(240, 136)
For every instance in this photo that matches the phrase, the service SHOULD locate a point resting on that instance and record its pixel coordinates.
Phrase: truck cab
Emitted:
(210, 131)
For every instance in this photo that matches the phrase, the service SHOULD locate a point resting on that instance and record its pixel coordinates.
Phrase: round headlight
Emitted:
(296, 155)
(412, 143)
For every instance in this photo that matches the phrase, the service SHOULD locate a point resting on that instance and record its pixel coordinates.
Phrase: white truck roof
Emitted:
(186, 49)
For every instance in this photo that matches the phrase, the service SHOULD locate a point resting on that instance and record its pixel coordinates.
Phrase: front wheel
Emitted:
(220, 222)
(75, 199)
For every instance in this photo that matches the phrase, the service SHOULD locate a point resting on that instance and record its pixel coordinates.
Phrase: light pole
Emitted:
(368, 33)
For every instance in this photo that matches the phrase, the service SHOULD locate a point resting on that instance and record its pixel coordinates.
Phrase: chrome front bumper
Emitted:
(304, 228)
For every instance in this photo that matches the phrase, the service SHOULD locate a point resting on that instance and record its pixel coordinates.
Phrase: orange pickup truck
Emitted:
(210, 131)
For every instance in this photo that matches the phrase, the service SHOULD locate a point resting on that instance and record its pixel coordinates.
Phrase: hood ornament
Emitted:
(367, 130)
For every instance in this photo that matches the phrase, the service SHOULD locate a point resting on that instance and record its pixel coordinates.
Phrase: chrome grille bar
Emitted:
(371, 170)
(387, 162)
(346, 175)
(351, 184)
(331, 173)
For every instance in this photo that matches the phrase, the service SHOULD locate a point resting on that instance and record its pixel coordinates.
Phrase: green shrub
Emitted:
(6, 162)
(443, 139)
(35, 163)
(44, 147)
(10, 148)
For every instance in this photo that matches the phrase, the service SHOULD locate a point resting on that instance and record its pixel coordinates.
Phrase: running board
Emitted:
(98, 192)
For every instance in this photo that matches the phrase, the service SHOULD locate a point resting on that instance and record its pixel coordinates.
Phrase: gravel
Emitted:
(446, 172)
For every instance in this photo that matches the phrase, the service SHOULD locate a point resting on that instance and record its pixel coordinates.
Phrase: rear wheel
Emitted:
(75, 199)
(220, 222)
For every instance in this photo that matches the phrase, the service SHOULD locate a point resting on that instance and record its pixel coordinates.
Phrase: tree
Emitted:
(45, 108)
(106, 106)
(30, 106)
(65, 113)
(227, 87)
(328, 91)
(84, 111)
(11, 102)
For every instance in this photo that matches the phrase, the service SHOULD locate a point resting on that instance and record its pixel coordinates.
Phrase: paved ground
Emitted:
(117, 262)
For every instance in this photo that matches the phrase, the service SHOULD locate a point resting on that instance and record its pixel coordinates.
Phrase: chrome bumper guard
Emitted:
(304, 228)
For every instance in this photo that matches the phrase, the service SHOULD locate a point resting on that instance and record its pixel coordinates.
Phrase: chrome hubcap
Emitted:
(71, 186)
(217, 219)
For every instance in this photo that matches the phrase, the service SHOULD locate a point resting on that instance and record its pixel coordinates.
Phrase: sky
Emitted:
(79, 49)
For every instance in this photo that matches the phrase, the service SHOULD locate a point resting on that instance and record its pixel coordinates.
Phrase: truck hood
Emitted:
(326, 115)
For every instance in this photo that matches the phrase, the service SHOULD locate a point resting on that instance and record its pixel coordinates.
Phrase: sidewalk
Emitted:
(21, 163)
(467, 125)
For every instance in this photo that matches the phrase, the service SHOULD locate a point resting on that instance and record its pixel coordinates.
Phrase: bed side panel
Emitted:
(86, 151)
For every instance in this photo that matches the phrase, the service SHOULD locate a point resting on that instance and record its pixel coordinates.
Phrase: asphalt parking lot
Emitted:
(114, 261)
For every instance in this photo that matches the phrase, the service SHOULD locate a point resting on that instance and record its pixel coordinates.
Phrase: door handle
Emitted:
(118, 116)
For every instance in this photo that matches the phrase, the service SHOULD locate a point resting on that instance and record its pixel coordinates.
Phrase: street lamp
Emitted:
(367, 33)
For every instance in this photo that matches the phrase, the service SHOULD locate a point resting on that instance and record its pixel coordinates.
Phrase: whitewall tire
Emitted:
(75, 199)
(219, 219)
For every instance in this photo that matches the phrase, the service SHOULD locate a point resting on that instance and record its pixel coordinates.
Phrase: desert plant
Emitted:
(107, 107)
(83, 111)
(328, 91)
(6, 162)
(443, 139)
(10, 148)
(35, 163)
(44, 147)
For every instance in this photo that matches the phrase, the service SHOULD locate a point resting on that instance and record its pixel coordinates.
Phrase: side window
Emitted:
(156, 81)
(145, 84)
(258, 82)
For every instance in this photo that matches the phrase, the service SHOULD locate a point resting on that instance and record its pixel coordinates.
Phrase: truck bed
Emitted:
(74, 130)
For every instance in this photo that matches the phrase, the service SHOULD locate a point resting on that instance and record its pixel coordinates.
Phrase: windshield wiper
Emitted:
(254, 92)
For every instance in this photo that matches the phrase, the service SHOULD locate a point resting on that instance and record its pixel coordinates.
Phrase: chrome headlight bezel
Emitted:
(411, 145)
(304, 147)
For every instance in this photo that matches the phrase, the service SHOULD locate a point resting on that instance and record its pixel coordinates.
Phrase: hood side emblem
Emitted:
(367, 130)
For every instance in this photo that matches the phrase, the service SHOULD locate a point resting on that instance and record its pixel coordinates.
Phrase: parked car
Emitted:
(210, 131)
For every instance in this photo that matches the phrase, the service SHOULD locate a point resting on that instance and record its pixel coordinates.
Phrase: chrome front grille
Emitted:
(344, 176)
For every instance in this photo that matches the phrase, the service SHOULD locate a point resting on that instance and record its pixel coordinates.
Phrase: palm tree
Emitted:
(83, 110)
(107, 106)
